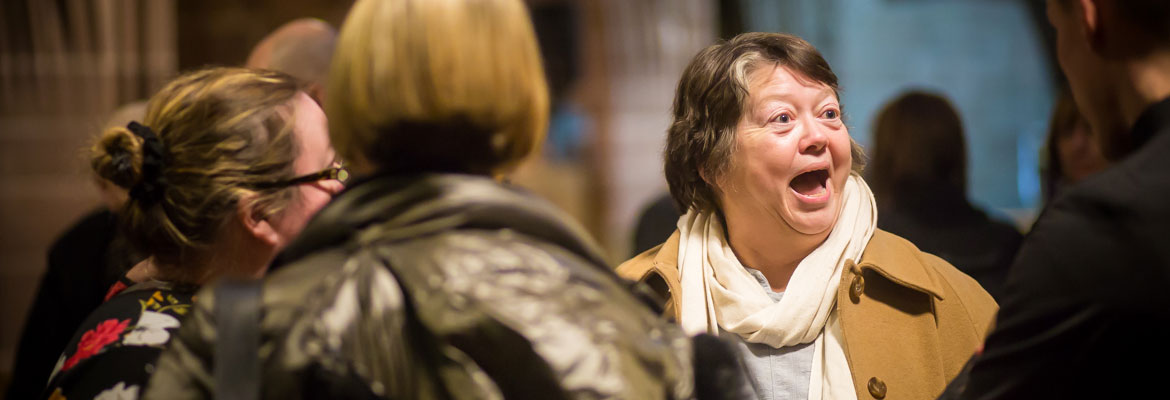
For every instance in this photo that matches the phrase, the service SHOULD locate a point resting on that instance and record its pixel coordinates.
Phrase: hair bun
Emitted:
(118, 157)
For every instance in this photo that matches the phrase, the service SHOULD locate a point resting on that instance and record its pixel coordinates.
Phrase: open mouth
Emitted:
(811, 184)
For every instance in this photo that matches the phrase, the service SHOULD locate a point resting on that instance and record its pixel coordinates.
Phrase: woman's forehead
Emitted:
(779, 81)
(780, 77)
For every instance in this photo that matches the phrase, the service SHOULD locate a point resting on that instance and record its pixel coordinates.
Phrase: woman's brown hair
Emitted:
(221, 134)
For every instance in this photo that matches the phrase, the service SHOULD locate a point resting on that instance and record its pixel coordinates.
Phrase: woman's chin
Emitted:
(812, 222)
(811, 215)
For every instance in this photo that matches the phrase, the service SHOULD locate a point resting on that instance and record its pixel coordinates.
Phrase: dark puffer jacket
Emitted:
(441, 286)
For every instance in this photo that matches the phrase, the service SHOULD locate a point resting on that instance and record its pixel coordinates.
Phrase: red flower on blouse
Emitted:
(95, 339)
(116, 288)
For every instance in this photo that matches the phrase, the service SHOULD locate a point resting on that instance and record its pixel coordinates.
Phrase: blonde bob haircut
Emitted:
(437, 86)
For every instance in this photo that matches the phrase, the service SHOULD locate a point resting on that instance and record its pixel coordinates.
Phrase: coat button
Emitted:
(877, 388)
(857, 288)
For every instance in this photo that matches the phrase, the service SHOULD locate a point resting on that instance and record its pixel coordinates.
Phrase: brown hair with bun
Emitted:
(222, 133)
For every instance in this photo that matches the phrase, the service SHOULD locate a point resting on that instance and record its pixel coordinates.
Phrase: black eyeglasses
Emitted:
(337, 172)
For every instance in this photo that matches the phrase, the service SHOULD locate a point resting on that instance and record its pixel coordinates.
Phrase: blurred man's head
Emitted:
(302, 48)
(1108, 49)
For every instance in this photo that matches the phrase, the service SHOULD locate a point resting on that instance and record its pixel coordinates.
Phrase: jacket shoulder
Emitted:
(662, 260)
(980, 306)
(657, 269)
(638, 267)
(950, 284)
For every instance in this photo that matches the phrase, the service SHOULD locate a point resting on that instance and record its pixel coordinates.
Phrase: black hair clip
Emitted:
(149, 188)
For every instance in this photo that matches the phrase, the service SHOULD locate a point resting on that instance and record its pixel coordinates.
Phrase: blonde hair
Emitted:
(223, 132)
(437, 85)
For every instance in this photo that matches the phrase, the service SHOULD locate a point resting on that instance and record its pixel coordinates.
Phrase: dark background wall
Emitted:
(222, 32)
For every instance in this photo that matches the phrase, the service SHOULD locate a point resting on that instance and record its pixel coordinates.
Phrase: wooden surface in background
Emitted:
(222, 32)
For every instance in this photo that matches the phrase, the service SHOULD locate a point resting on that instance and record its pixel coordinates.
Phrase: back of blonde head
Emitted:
(223, 132)
(437, 85)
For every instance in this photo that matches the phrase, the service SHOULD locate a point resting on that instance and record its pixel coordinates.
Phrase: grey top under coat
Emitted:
(778, 374)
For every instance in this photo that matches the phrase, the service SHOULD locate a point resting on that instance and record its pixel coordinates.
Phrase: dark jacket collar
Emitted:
(1154, 120)
(407, 206)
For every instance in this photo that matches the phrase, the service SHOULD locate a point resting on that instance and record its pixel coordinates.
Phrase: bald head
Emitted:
(302, 48)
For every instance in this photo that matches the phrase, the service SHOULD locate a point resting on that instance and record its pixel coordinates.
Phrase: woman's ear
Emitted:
(317, 93)
(1089, 15)
(706, 177)
(255, 222)
(714, 179)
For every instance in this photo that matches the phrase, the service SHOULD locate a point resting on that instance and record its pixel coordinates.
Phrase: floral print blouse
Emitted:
(114, 351)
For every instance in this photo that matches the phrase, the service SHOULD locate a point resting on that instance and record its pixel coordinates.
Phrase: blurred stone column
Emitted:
(648, 43)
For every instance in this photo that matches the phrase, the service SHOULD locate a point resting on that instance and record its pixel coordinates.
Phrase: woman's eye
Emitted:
(783, 118)
(830, 114)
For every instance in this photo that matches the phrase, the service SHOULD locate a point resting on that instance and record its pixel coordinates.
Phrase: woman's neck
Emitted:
(226, 258)
(151, 269)
(770, 246)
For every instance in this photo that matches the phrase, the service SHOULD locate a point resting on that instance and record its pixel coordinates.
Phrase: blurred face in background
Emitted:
(1079, 154)
(314, 154)
(792, 154)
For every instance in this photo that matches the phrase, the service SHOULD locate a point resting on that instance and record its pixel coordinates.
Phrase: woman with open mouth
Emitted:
(778, 250)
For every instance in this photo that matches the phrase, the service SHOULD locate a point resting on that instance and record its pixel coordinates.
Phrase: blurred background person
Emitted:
(83, 265)
(918, 172)
(779, 250)
(427, 278)
(302, 48)
(1086, 314)
(1073, 154)
(655, 224)
(225, 169)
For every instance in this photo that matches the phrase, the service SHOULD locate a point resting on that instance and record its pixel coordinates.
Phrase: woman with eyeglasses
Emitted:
(225, 170)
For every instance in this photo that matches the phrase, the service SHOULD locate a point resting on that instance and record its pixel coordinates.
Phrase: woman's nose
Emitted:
(814, 139)
(333, 186)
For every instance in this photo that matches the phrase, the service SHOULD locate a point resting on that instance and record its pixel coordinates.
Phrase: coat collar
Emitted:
(668, 254)
(388, 207)
(892, 257)
(901, 262)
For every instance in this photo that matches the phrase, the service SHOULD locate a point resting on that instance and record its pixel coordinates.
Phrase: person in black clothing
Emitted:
(1086, 313)
(658, 220)
(919, 177)
(84, 264)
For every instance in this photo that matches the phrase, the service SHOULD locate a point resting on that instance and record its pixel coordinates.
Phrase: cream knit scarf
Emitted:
(718, 292)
